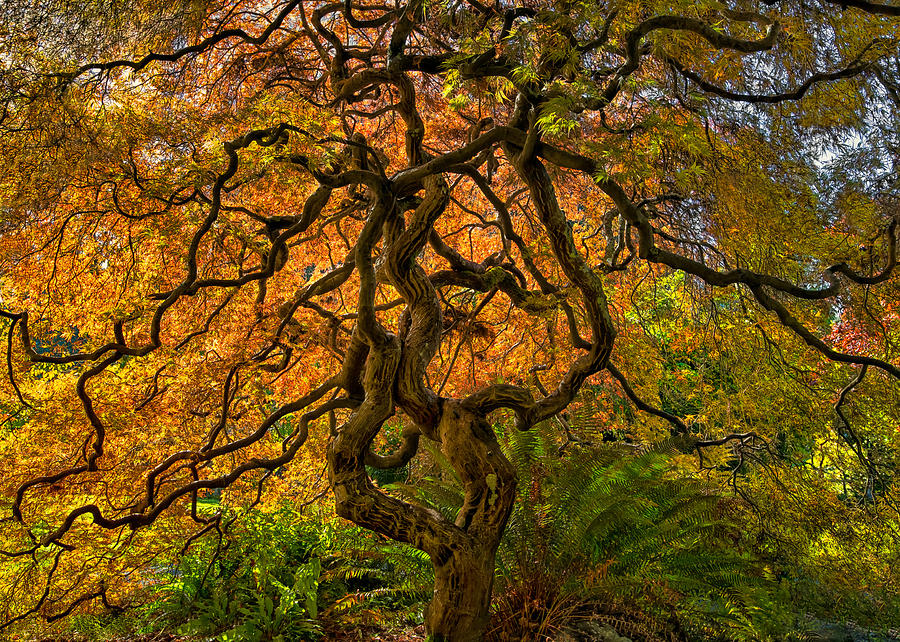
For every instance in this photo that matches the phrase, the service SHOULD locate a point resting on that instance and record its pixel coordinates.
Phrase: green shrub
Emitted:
(279, 575)
(259, 581)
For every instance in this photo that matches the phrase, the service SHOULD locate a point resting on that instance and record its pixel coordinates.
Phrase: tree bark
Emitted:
(464, 569)
(462, 552)
(459, 610)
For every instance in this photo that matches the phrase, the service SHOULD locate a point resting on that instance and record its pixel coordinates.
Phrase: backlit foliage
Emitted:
(236, 236)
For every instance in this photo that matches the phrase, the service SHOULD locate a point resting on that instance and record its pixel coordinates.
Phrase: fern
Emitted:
(610, 530)
(367, 570)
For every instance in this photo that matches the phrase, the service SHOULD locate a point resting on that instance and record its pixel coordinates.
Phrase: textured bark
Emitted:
(459, 610)
(464, 569)
(463, 552)
(393, 368)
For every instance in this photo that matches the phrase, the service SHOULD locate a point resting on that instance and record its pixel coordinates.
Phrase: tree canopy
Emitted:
(247, 245)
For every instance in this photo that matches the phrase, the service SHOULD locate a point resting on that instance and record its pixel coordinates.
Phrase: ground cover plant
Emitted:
(257, 254)
(611, 534)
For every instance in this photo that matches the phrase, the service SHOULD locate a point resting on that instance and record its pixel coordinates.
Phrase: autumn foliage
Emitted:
(253, 252)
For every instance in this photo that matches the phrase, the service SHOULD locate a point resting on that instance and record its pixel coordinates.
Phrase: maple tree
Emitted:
(238, 233)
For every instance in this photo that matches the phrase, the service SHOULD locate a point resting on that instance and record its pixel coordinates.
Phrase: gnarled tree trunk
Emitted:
(464, 571)
(462, 552)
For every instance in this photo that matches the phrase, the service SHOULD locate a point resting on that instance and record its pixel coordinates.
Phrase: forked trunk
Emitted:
(462, 552)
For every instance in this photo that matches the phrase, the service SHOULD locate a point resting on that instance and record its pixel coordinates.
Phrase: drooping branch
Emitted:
(149, 510)
(204, 45)
(851, 437)
(13, 320)
(97, 445)
(679, 427)
(790, 321)
(42, 599)
(190, 284)
(649, 251)
(715, 38)
(574, 266)
(874, 8)
(853, 69)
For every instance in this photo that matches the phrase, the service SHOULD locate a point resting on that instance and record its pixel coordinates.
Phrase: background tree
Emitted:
(235, 230)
